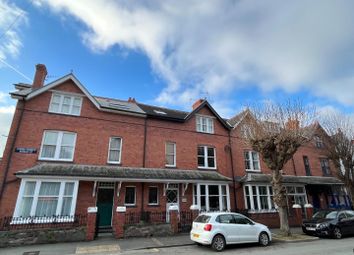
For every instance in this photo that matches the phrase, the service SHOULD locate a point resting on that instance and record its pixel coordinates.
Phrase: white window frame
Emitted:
(174, 154)
(36, 196)
(58, 146)
(198, 195)
(206, 165)
(209, 123)
(62, 95)
(251, 195)
(250, 155)
(120, 150)
(158, 195)
(327, 165)
(129, 204)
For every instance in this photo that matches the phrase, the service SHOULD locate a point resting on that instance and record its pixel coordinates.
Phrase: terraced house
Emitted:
(68, 151)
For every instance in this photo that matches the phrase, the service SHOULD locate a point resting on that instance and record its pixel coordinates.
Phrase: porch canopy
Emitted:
(313, 180)
(124, 174)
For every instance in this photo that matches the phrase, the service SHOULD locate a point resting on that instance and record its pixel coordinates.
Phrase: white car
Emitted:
(221, 228)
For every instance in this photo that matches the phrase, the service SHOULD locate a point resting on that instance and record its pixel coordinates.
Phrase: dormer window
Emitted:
(65, 104)
(205, 124)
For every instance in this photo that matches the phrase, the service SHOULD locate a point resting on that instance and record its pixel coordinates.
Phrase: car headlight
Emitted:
(322, 225)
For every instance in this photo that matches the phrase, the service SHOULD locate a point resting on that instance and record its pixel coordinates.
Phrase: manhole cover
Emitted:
(31, 253)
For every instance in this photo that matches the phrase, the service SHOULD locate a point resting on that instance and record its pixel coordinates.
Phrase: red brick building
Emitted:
(69, 150)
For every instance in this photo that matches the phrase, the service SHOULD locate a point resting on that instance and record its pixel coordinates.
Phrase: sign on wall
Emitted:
(26, 150)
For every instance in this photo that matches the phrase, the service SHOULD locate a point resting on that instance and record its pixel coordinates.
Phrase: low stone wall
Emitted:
(39, 236)
(144, 230)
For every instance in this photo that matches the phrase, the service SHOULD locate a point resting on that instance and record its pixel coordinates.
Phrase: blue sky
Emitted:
(172, 53)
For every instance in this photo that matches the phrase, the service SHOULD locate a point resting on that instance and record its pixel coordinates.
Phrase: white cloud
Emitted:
(218, 46)
(11, 18)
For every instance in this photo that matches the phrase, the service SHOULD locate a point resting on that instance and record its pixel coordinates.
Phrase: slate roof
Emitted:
(161, 112)
(315, 180)
(94, 172)
(116, 104)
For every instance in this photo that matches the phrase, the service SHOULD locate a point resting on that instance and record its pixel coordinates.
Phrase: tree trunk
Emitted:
(351, 195)
(279, 198)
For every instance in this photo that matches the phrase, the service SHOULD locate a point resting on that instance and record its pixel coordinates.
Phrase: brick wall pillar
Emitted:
(119, 221)
(174, 218)
(309, 211)
(298, 214)
(195, 211)
(91, 223)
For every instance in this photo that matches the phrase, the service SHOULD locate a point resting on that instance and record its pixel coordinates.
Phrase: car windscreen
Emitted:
(325, 215)
(202, 219)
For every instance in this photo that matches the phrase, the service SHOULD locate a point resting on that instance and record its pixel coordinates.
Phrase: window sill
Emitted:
(253, 171)
(114, 163)
(206, 168)
(153, 205)
(56, 160)
(171, 166)
(130, 205)
(201, 132)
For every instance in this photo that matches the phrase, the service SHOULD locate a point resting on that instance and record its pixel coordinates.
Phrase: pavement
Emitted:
(107, 244)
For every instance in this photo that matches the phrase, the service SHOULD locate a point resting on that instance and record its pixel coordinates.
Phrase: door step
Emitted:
(105, 229)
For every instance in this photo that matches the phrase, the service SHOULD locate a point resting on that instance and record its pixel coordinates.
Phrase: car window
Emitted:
(325, 215)
(350, 214)
(341, 216)
(331, 215)
(241, 220)
(202, 219)
(225, 218)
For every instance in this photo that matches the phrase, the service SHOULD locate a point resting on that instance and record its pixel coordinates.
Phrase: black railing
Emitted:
(37, 222)
(145, 217)
(185, 221)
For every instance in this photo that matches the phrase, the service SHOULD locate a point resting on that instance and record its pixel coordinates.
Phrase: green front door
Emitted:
(104, 206)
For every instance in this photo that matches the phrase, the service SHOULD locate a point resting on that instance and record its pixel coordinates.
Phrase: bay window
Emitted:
(259, 198)
(46, 198)
(211, 197)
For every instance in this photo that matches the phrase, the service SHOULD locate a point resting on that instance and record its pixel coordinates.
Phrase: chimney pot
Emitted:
(132, 100)
(39, 76)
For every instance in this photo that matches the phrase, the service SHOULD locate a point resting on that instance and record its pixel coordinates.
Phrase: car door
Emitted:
(343, 223)
(246, 230)
(350, 220)
(227, 226)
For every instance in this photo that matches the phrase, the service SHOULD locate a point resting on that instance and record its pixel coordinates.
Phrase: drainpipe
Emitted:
(232, 169)
(144, 164)
(292, 160)
(8, 160)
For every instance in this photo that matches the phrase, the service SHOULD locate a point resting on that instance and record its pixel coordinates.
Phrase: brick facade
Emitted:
(143, 145)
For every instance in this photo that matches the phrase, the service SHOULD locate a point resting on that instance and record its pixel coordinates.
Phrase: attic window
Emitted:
(119, 106)
(160, 112)
(65, 104)
(205, 124)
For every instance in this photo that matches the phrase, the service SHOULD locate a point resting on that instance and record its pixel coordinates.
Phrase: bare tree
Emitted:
(276, 131)
(340, 128)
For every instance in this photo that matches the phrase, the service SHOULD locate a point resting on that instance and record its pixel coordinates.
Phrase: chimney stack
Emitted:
(41, 73)
(197, 103)
(132, 100)
(292, 124)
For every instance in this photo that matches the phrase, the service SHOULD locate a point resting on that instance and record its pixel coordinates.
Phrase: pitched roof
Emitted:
(164, 113)
(315, 180)
(115, 173)
(236, 120)
(116, 104)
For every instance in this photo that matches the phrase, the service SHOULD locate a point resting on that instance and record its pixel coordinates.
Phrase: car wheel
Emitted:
(218, 243)
(337, 233)
(263, 239)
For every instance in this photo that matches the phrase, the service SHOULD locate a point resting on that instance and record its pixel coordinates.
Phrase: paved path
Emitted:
(163, 245)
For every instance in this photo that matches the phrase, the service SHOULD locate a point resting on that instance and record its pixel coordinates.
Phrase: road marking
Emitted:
(156, 241)
(97, 249)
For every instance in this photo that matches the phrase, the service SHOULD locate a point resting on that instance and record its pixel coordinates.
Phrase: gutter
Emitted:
(232, 169)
